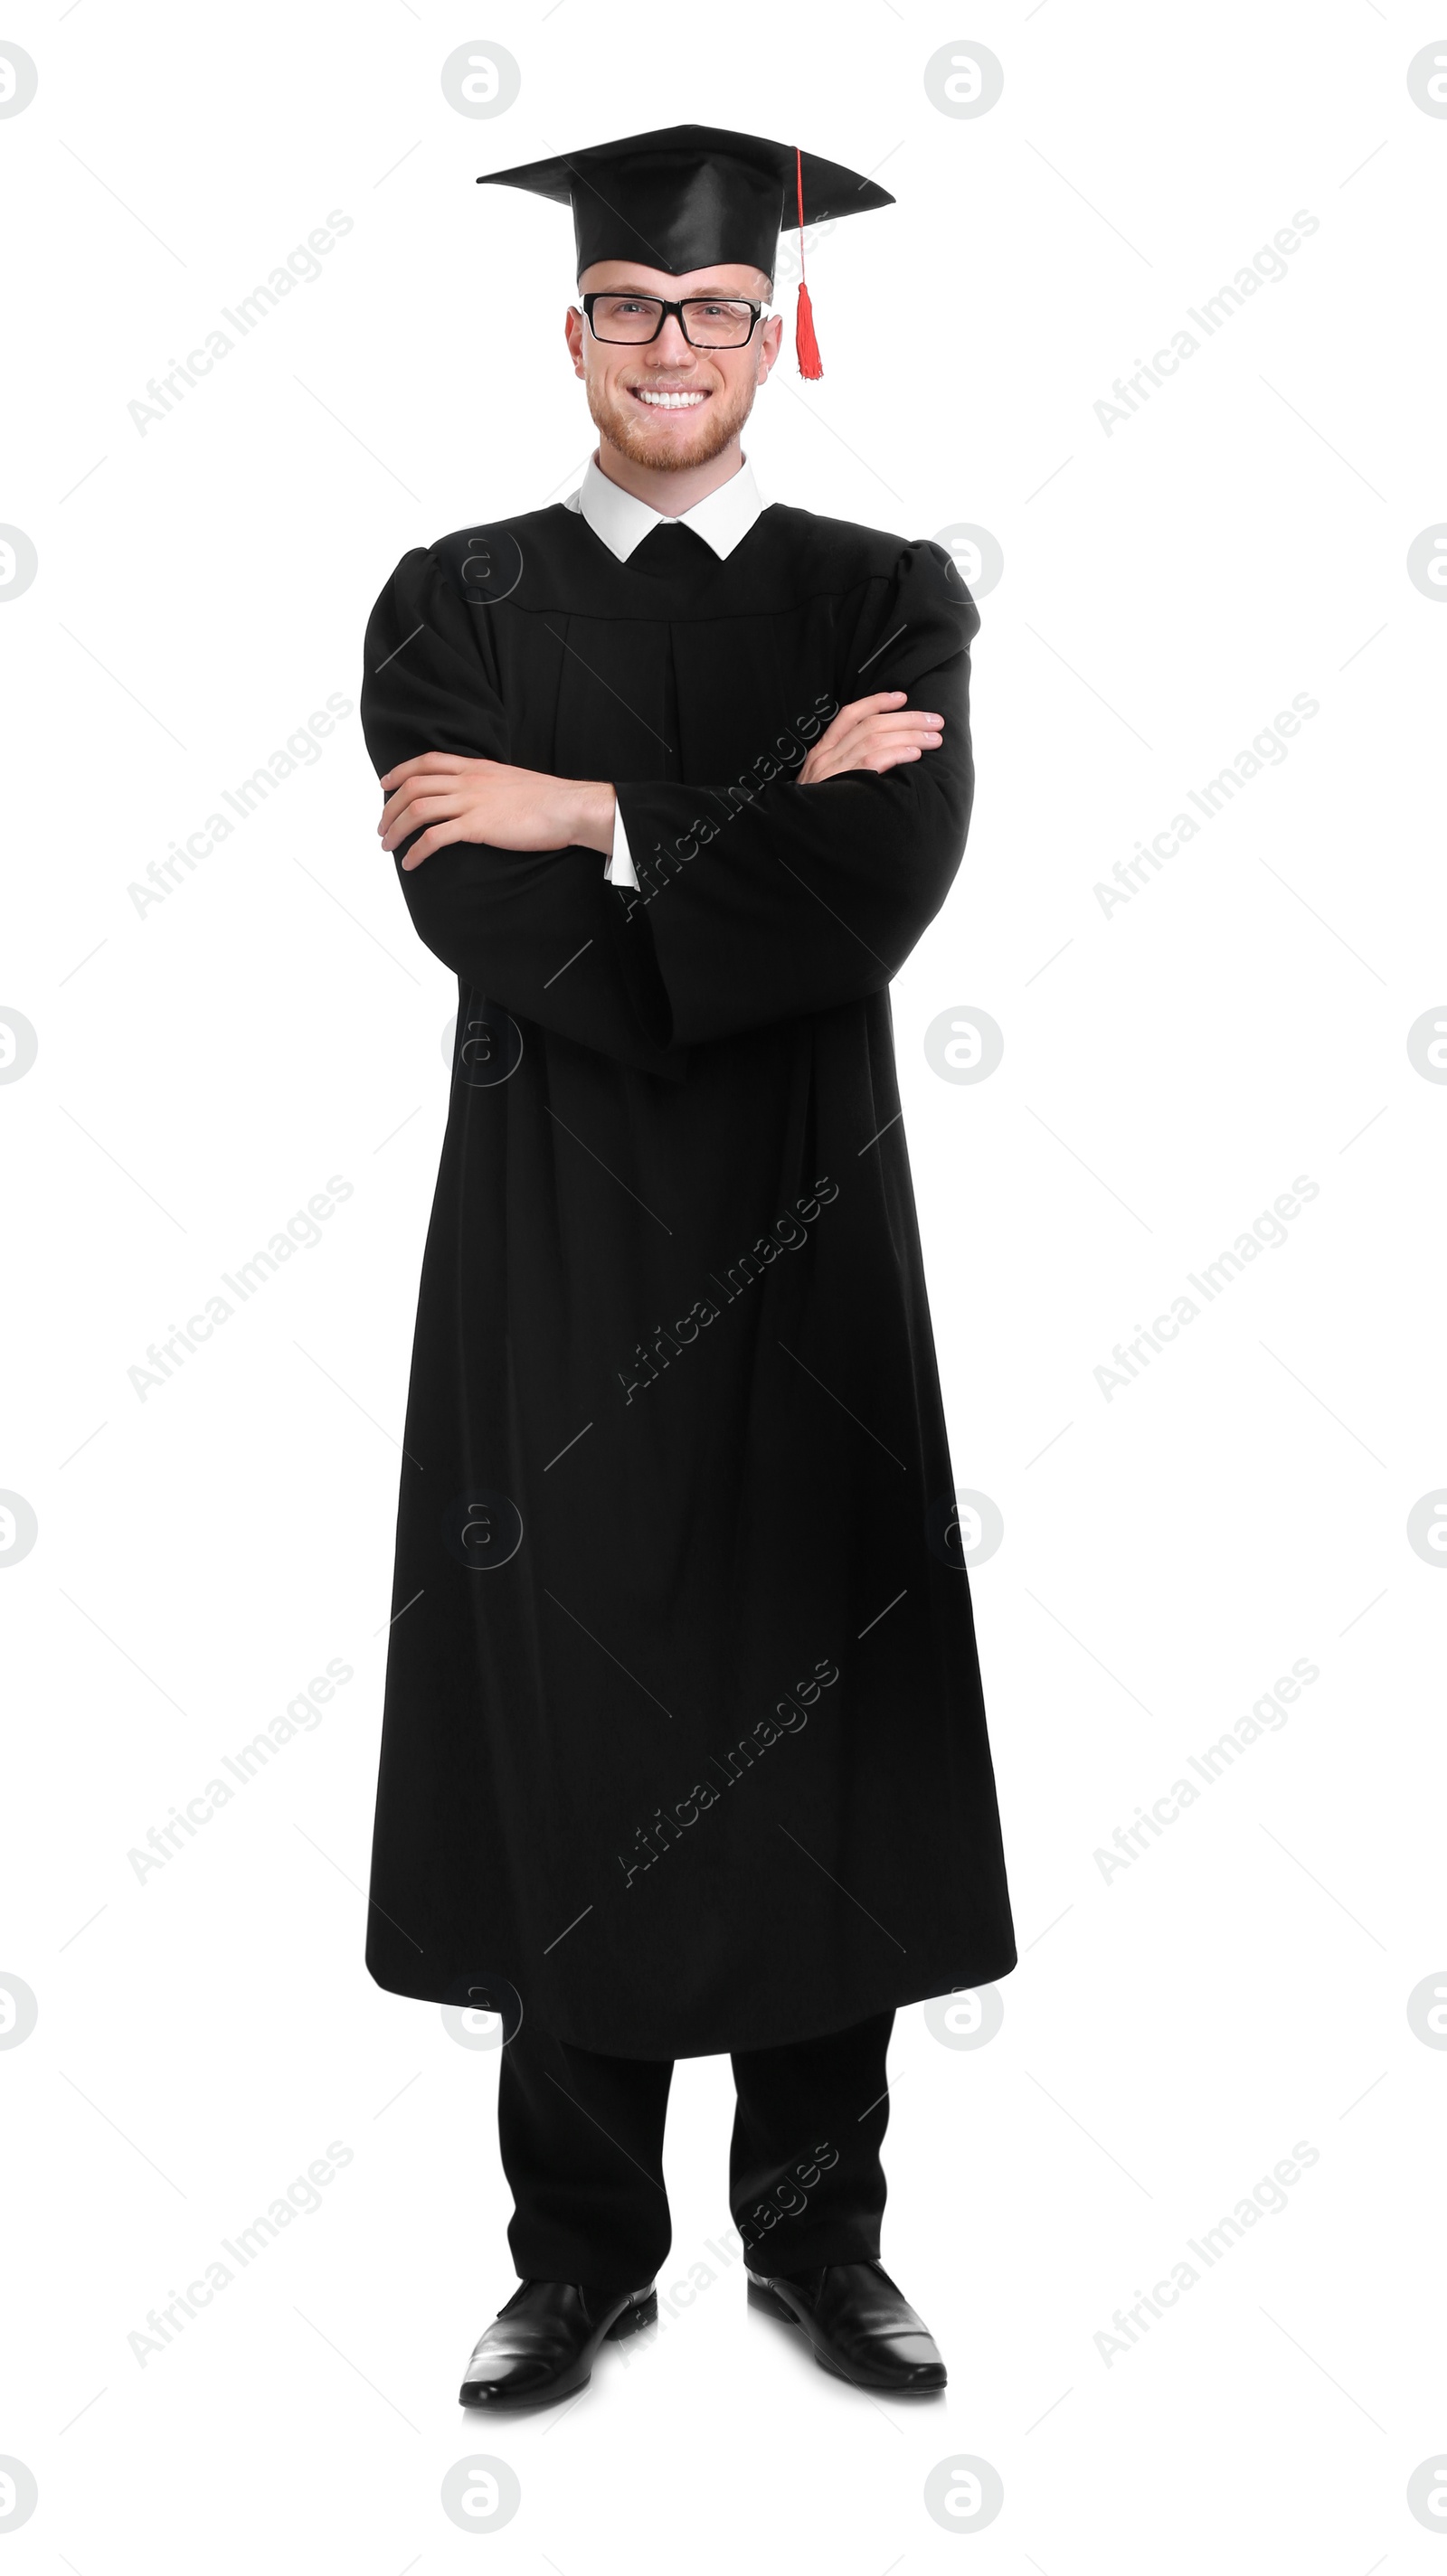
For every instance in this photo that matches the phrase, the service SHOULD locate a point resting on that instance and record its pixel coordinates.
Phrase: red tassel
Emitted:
(805, 344)
(806, 347)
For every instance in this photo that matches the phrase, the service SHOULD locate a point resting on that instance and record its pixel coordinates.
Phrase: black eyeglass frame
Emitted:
(589, 300)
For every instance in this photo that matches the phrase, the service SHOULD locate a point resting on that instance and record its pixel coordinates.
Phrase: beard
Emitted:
(723, 416)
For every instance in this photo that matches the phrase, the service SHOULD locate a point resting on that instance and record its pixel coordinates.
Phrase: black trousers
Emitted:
(582, 2147)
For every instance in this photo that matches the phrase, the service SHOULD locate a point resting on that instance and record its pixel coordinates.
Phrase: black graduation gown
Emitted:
(683, 1734)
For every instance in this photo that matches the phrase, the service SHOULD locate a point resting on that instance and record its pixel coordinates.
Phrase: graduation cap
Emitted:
(693, 196)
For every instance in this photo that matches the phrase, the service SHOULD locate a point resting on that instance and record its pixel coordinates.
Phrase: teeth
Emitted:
(669, 401)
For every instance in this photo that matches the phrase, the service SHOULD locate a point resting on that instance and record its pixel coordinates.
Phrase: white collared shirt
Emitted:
(722, 518)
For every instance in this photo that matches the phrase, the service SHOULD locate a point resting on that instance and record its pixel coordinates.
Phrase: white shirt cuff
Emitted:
(620, 869)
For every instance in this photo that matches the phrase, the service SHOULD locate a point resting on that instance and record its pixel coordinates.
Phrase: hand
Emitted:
(489, 800)
(873, 733)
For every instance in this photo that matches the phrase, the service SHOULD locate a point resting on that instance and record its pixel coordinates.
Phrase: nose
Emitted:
(671, 349)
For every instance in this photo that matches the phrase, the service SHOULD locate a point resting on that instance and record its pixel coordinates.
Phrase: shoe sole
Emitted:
(771, 2305)
(638, 2313)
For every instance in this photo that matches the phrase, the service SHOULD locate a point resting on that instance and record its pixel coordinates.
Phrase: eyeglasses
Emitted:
(706, 321)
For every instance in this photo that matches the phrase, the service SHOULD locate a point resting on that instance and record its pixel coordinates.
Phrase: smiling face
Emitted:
(667, 405)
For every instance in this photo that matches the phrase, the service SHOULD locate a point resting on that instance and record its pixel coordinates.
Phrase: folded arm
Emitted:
(534, 926)
(758, 899)
(770, 897)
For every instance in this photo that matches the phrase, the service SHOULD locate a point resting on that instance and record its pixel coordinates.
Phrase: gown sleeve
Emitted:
(769, 901)
(542, 933)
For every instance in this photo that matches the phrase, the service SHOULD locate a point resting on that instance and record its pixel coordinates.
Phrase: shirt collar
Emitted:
(722, 518)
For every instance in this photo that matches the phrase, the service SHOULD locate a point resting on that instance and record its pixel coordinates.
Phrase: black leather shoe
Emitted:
(543, 2344)
(861, 2327)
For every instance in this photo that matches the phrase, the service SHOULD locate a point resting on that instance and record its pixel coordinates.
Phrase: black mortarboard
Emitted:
(693, 196)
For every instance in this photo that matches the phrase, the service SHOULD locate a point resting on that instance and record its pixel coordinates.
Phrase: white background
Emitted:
(1170, 1067)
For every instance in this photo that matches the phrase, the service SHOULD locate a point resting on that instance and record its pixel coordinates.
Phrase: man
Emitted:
(684, 1748)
